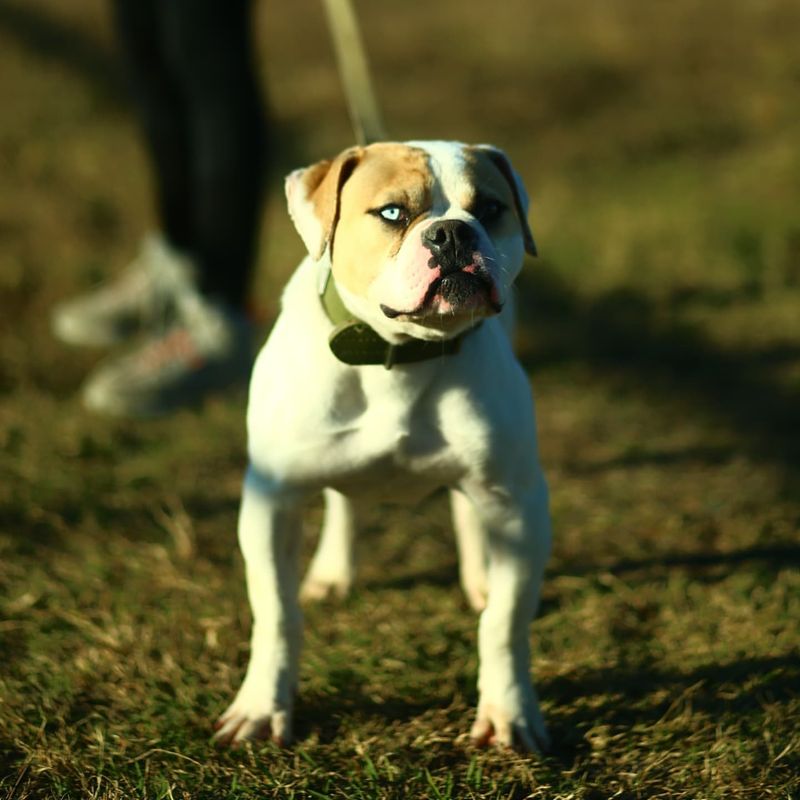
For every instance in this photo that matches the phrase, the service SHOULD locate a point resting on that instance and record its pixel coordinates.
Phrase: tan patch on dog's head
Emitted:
(387, 174)
(336, 205)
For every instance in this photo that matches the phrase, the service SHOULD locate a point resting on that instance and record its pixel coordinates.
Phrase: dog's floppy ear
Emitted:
(500, 160)
(312, 195)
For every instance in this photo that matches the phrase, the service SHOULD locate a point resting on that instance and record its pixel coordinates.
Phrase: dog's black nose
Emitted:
(452, 243)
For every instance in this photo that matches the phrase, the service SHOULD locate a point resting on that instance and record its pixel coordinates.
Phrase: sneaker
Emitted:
(208, 350)
(138, 299)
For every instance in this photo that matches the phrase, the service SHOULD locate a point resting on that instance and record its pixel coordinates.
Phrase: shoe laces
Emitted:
(176, 346)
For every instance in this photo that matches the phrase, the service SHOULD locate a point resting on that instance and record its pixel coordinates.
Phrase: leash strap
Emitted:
(351, 57)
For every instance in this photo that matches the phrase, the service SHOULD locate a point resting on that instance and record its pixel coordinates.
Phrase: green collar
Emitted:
(354, 342)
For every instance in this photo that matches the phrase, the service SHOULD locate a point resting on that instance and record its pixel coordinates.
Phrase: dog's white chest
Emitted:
(401, 464)
(380, 445)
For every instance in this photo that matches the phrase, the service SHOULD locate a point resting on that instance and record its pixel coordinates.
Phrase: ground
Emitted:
(661, 331)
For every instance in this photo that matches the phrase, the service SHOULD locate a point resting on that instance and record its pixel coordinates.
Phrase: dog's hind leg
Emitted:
(471, 544)
(332, 567)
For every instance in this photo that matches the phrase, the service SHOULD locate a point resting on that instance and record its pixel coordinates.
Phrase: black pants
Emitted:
(191, 71)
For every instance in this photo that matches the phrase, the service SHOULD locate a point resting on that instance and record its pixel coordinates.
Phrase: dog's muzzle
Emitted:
(452, 243)
(463, 276)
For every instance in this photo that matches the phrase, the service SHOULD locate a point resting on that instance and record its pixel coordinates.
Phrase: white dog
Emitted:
(389, 373)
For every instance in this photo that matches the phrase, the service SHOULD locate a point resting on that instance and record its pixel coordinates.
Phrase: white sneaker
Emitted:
(140, 298)
(208, 350)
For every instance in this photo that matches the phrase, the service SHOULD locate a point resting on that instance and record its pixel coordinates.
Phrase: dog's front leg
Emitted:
(269, 537)
(519, 536)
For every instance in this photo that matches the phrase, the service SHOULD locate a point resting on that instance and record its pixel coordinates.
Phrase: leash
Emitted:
(351, 57)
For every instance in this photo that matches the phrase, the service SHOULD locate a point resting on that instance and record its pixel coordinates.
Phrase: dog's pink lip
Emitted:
(433, 297)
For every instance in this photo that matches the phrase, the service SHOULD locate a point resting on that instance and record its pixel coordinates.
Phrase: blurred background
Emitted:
(660, 325)
(658, 144)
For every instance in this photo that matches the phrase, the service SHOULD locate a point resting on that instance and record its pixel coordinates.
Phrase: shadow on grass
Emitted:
(628, 698)
(640, 456)
(326, 716)
(441, 575)
(709, 566)
(623, 333)
(630, 702)
(13, 767)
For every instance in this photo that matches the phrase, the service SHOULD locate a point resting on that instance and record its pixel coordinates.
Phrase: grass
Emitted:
(661, 328)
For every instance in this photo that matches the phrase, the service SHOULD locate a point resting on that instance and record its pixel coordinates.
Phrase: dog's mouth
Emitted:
(468, 290)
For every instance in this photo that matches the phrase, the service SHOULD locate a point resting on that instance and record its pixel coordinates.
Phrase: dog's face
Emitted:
(424, 238)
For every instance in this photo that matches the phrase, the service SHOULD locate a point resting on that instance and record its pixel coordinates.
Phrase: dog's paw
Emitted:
(525, 732)
(316, 589)
(245, 720)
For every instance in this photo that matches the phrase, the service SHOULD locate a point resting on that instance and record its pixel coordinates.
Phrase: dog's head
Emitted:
(424, 239)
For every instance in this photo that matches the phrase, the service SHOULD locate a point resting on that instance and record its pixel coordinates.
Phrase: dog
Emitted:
(389, 374)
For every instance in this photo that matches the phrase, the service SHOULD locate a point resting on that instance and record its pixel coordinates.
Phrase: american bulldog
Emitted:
(389, 374)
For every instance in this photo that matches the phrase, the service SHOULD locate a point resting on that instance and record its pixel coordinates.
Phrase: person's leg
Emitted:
(139, 298)
(161, 110)
(208, 49)
(197, 98)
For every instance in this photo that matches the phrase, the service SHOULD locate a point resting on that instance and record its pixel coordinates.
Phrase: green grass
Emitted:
(661, 329)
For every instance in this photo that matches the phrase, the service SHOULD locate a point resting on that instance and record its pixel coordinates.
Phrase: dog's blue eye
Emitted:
(393, 212)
